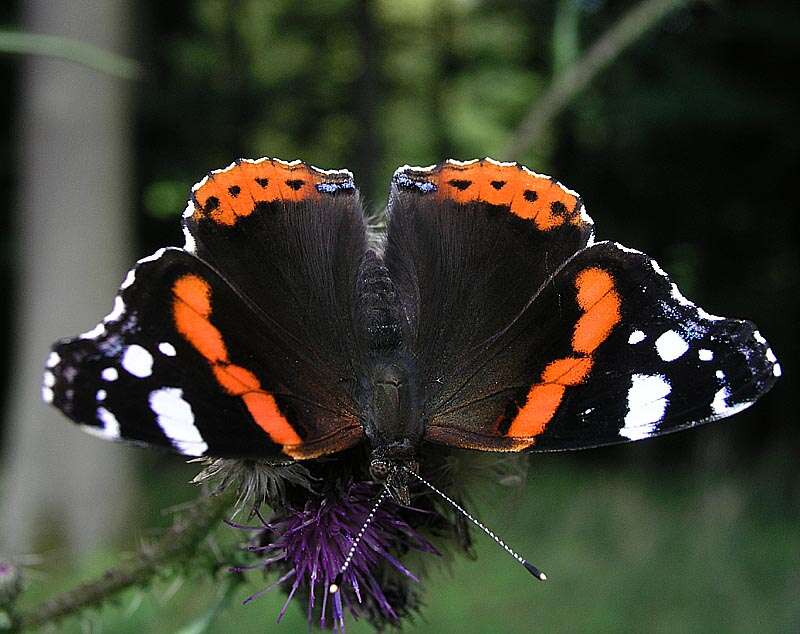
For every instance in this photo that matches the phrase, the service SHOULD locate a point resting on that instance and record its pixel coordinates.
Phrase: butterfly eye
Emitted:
(379, 469)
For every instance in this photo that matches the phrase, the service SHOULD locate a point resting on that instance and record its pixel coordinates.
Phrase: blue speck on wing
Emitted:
(332, 188)
(422, 185)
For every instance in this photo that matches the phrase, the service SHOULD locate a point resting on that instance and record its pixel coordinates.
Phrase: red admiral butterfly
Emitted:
(487, 319)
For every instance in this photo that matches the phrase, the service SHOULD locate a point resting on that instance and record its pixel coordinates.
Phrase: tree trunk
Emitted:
(73, 235)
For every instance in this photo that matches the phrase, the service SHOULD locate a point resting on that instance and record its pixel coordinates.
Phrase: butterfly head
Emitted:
(389, 465)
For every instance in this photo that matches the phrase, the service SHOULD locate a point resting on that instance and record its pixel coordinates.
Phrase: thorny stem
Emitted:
(189, 528)
(566, 86)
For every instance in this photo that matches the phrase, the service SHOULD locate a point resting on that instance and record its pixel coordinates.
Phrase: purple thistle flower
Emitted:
(308, 545)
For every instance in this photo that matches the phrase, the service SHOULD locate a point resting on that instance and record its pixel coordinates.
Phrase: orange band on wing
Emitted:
(600, 302)
(191, 310)
(528, 195)
(543, 401)
(265, 412)
(567, 371)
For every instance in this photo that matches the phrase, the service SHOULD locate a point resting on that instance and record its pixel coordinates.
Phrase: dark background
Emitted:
(686, 147)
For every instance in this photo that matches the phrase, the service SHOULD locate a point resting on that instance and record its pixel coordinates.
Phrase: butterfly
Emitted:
(486, 317)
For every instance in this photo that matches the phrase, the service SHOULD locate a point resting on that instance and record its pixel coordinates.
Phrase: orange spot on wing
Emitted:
(531, 196)
(592, 284)
(600, 302)
(195, 292)
(191, 310)
(596, 295)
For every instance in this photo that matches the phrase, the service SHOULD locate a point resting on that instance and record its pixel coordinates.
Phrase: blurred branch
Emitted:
(188, 530)
(566, 86)
(71, 50)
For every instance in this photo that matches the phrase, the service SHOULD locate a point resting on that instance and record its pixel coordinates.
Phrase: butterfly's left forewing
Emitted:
(241, 343)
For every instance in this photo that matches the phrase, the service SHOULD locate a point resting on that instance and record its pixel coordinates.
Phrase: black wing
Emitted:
(239, 344)
(540, 342)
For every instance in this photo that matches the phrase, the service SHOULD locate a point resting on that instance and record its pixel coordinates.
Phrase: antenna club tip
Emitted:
(337, 583)
(534, 571)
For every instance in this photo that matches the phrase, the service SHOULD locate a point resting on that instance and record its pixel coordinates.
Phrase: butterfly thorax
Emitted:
(387, 388)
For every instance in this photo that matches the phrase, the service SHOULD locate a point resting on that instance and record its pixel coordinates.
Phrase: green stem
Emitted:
(182, 538)
(566, 86)
(71, 50)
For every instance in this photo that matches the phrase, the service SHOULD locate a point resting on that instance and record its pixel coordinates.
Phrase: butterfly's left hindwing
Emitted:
(608, 351)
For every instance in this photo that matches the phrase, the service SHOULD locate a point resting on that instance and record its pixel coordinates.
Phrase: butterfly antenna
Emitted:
(528, 565)
(337, 582)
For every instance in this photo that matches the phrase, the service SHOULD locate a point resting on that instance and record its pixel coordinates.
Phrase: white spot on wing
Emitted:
(670, 345)
(53, 360)
(94, 333)
(101, 395)
(129, 279)
(167, 348)
(678, 296)
(110, 429)
(116, 313)
(47, 394)
(49, 379)
(776, 370)
(636, 337)
(625, 249)
(152, 258)
(705, 355)
(137, 361)
(720, 405)
(657, 268)
(706, 315)
(176, 419)
(189, 243)
(759, 337)
(118, 310)
(647, 401)
(109, 374)
(202, 182)
(771, 356)
(465, 163)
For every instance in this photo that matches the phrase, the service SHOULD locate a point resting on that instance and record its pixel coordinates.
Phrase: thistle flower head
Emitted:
(308, 545)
